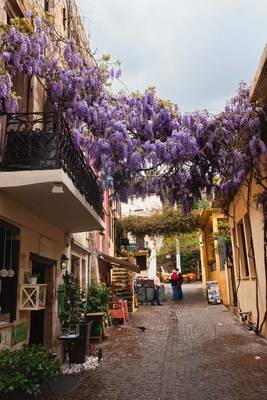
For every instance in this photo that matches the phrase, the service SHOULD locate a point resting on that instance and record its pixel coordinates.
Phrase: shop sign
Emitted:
(213, 292)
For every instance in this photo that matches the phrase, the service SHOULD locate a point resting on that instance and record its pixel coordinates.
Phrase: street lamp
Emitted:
(64, 261)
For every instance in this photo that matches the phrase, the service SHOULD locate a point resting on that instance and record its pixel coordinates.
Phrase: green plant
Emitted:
(223, 232)
(98, 297)
(74, 301)
(167, 222)
(189, 251)
(26, 369)
(35, 275)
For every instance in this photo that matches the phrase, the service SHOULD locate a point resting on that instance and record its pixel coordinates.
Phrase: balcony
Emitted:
(44, 170)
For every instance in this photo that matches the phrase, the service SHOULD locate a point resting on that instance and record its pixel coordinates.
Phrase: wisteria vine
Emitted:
(139, 142)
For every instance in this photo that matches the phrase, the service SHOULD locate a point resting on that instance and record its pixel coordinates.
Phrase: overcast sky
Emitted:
(194, 51)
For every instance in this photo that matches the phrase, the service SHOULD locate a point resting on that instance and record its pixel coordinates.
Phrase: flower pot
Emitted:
(77, 347)
(97, 320)
(33, 280)
(61, 385)
(96, 329)
(80, 345)
(17, 395)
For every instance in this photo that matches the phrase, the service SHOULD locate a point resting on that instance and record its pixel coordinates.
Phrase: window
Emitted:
(142, 262)
(64, 16)
(235, 254)
(242, 249)
(222, 253)
(75, 267)
(9, 258)
(249, 245)
(84, 275)
(212, 265)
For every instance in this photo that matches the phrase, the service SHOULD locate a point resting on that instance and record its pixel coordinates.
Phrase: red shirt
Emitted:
(174, 276)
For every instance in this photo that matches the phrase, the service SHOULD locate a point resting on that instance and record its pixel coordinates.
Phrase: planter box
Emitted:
(77, 345)
(32, 297)
(162, 294)
(149, 293)
(141, 294)
(20, 396)
(96, 330)
(97, 320)
(60, 385)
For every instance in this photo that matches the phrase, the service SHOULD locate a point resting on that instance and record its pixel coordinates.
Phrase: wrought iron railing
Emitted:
(41, 141)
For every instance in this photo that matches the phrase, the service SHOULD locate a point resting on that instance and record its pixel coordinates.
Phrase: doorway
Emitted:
(41, 327)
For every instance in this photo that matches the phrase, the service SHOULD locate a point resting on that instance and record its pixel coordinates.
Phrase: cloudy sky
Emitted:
(194, 51)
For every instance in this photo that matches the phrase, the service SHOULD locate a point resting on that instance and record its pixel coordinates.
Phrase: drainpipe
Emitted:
(89, 257)
(69, 17)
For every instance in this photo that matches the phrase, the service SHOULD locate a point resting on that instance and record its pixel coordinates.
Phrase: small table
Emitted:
(97, 317)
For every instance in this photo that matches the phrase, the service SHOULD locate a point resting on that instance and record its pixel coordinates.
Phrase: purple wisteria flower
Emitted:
(28, 14)
(125, 136)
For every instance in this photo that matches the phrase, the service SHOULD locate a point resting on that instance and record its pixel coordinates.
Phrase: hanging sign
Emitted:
(213, 293)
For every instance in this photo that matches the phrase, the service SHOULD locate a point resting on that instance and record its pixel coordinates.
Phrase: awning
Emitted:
(118, 262)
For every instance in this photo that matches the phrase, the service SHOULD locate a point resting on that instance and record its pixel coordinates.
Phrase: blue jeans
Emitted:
(180, 292)
(175, 292)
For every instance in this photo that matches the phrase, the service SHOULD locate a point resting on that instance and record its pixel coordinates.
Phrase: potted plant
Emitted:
(73, 304)
(34, 279)
(24, 371)
(76, 331)
(99, 296)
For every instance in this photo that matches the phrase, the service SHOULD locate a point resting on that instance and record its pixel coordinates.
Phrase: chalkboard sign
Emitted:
(213, 293)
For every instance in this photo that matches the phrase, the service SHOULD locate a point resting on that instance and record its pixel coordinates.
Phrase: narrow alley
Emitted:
(190, 350)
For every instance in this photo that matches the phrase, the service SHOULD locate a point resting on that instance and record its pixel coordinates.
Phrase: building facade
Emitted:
(215, 262)
(243, 283)
(51, 206)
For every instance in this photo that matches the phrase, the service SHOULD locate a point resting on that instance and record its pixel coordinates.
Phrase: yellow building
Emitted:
(242, 281)
(248, 230)
(214, 263)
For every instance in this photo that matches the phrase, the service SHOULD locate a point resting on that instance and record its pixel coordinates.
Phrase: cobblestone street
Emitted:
(190, 350)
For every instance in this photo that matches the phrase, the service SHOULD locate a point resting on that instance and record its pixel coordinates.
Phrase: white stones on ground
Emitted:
(76, 369)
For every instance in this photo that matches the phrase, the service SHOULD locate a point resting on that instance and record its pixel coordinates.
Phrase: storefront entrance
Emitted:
(41, 321)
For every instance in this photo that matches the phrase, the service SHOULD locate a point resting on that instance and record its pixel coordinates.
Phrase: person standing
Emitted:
(156, 290)
(179, 286)
(174, 283)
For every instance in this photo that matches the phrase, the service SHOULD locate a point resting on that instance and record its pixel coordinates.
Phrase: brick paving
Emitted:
(190, 350)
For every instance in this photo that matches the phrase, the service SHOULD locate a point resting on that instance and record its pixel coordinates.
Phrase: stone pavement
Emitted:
(190, 350)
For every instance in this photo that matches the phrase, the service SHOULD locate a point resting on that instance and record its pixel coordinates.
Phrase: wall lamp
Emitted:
(64, 261)
(99, 256)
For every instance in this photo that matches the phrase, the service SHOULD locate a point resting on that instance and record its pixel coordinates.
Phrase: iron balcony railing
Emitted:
(41, 141)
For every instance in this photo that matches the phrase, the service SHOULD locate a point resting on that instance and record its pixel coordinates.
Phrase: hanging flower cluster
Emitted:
(145, 145)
